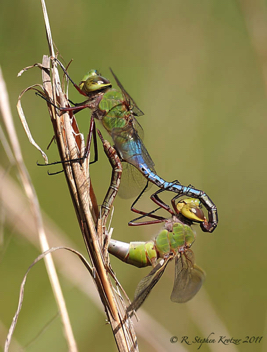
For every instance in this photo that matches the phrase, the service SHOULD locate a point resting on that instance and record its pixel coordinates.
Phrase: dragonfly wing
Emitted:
(131, 103)
(132, 182)
(133, 151)
(138, 128)
(131, 147)
(188, 278)
(146, 284)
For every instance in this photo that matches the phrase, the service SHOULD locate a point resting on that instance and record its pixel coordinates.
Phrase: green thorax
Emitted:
(167, 242)
(181, 237)
(115, 111)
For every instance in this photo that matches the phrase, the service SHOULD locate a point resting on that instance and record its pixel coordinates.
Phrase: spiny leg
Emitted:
(158, 219)
(92, 131)
(162, 205)
(155, 198)
(66, 73)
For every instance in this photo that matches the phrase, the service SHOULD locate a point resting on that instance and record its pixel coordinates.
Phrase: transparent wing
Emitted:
(131, 147)
(132, 182)
(188, 278)
(131, 103)
(146, 284)
(133, 151)
(138, 128)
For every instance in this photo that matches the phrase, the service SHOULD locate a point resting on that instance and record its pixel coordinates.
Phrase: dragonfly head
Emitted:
(93, 82)
(190, 209)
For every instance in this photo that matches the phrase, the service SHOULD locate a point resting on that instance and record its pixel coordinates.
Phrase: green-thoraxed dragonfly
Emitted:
(173, 242)
(117, 112)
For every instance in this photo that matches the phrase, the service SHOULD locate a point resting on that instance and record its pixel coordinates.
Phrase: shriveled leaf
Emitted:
(24, 121)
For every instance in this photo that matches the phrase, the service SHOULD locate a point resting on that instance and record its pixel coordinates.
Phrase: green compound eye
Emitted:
(93, 82)
(190, 208)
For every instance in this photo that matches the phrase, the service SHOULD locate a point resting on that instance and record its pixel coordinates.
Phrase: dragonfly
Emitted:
(117, 112)
(172, 243)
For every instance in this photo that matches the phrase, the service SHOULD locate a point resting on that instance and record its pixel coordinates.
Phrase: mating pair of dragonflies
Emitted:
(117, 112)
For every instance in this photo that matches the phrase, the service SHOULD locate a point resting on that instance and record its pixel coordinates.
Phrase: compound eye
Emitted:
(93, 82)
(195, 214)
(190, 208)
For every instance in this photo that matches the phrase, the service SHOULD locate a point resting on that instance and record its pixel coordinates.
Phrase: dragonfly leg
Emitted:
(78, 107)
(92, 132)
(137, 199)
(155, 198)
(158, 219)
(52, 140)
(66, 73)
(75, 109)
(54, 173)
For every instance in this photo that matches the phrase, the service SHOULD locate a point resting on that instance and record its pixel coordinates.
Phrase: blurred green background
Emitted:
(196, 69)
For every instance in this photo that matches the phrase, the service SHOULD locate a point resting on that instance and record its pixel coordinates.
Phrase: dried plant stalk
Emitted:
(71, 146)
